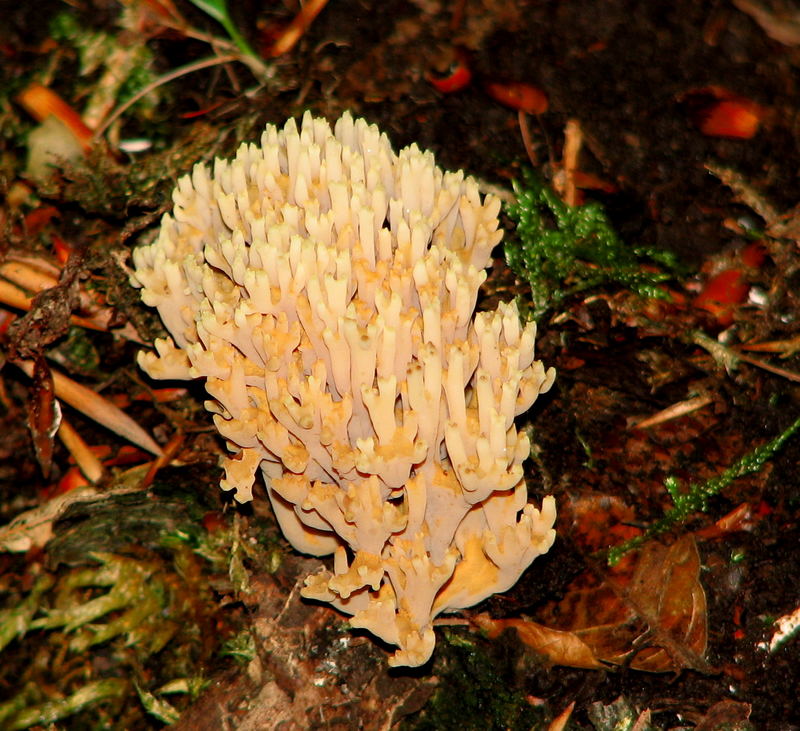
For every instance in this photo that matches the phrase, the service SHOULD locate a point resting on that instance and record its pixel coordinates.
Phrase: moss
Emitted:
(561, 250)
(695, 498)
(121, 613)
(475, 693)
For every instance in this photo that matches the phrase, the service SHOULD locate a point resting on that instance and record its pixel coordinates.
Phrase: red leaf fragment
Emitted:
(740, 518)
(728, 288)
(73, 478)
(214, 521)
(753, 255)
(37, 219)
(202, 112)
(722, 293)
(62, 249)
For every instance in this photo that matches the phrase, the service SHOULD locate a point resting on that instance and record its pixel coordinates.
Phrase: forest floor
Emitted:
(133, 594)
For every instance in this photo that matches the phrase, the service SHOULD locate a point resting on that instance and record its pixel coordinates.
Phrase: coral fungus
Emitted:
(325, 287)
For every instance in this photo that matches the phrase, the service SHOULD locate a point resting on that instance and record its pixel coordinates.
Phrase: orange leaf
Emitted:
(718, 112)
(41, 103)
(72, 479)
(722, 293)
(295, 30)
(753, 255)
(161, 395)
(733, 118)
(739, 519)
(37, 219)
(519, 95)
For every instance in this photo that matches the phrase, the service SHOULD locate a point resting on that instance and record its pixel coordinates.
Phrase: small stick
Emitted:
(97, 408)
(295, 30)
(89, 465)
(673, 412)
(170, 450)
(573, 141)
(527, 141)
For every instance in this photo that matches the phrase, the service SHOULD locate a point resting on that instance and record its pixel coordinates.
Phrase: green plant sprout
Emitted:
(696, 498)
(562, 249)
(218, 10)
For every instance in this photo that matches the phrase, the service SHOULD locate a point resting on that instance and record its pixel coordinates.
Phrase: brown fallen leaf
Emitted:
(559, 647)
(44, 414)
(725, 714)
(648, 613)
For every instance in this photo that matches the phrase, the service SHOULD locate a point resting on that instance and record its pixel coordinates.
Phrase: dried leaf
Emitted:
(44, 414)
(726, 714)
(559, 647)
(648, 613)
(666, 592)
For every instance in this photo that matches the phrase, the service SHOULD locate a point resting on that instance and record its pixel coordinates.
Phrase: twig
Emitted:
(527, 141)
(299, 25)
(730, 358)
(745, 192)
(673, 412)
(97, 408)
(573, 141)
(786, 348)
(89, 465)
(789, 375)
(170, 450)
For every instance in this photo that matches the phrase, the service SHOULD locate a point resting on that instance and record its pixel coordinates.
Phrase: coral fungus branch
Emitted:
(325, 287)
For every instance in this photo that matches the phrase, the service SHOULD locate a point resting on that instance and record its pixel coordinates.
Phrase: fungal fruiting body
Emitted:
(325, 287)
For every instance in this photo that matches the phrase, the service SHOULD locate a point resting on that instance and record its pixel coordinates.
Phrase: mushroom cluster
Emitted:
(325, 287)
